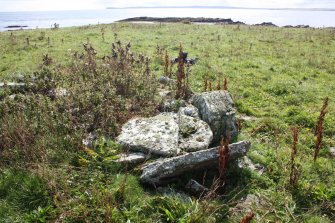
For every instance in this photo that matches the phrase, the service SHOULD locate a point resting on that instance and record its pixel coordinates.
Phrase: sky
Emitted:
(46, 5)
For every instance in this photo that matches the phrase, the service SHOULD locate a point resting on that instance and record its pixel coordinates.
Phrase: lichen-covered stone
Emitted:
(189, 110)
(164, 170)
(171, 105)
(156, 135)
(217, 109)
(194, 134)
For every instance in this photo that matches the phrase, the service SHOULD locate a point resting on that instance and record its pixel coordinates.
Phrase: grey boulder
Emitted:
(165, 170)
(217, 109)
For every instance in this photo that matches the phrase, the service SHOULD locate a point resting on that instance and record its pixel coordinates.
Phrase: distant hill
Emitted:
(223, 7)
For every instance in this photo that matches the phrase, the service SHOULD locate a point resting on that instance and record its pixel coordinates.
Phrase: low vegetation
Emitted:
(95, 78)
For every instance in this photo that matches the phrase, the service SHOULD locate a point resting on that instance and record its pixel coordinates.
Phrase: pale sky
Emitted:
(45, 5)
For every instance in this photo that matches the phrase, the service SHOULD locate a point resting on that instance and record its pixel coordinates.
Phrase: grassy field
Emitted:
(279, 77)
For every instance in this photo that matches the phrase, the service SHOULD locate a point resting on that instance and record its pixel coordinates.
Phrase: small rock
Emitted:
(246, 205)
(12, 84)
(332, 151)
(172, 105)
(246, 118)
(196, 188)
(131, 158)
(157, 135)
(189, 110)
(245, 162)
(58, 92)
(88, 141)
(165, 80)
(164, 94)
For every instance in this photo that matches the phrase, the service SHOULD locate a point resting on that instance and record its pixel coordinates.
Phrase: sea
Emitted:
(33, 20)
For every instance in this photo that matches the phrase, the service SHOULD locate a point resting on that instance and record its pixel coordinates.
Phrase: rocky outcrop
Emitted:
(266, 24)
(181, 19)
(217, 109)
(156, 135)
(165, 170)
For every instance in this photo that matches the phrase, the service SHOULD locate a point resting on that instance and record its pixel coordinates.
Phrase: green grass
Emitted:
(278, 75)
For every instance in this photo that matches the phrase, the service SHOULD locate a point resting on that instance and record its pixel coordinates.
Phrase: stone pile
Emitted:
(182, 141)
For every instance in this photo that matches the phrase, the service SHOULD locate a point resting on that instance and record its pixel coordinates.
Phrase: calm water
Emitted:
(249, 16)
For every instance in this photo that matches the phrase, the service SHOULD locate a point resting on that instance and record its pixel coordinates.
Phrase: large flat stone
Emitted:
(156, 135)
(165, 170)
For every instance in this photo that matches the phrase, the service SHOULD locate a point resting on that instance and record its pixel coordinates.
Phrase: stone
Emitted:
(196, 188)
(172, 105)
(157, 135)
(165, 80)
(58, 92)
(246, 205)
(217, 109)
(131, 158)
(332, 151)
(246, 118)
(12, 85)
(245, 162)
(194, 134)
(164, 94)
(166, 170)
(89, 140)
(189, 110)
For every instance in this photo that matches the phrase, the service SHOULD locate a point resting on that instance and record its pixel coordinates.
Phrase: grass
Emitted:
(279, 76)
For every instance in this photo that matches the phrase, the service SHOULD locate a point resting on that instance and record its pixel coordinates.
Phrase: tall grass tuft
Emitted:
(224, 156)
(319, 128)
(225, 84)
(248, 217)
(294, 171)
(181, 76)
(167, 65)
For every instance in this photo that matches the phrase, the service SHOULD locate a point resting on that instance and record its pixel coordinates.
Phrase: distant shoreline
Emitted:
(203, 20)
(225, 7)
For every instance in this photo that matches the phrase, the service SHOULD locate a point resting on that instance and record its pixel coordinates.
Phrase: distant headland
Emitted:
(201, 20)
(224, 7)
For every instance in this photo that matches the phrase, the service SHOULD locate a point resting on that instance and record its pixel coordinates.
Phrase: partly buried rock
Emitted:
(217, 109)
(194, 134)
(332, 151)
(245, 162)
(171, 105)
(131, 158)
(157, 135)
(196, 188)
(165, 170)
